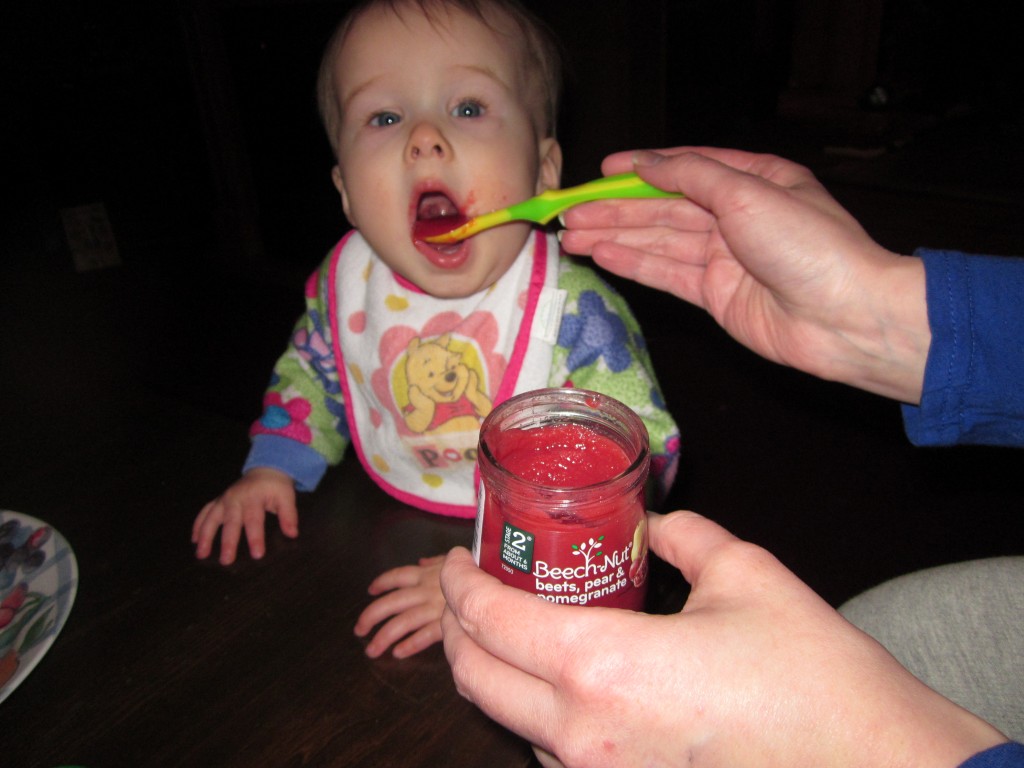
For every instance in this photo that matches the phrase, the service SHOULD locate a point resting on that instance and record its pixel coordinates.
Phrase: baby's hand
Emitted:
(415, 603)
(243, 505)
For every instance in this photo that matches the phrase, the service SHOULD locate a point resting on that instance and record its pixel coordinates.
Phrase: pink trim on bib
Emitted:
(515, 363)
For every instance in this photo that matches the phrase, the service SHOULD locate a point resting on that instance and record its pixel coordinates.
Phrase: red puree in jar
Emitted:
(561, 455)
(562, 513)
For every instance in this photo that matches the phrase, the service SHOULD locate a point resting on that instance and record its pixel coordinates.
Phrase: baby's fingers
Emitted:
(198, 525)
(205, 528)
(391, 604)
(287, 518)
(423, 638)
(406, 576)
(252, 519)
(230, 533)
(422, 617)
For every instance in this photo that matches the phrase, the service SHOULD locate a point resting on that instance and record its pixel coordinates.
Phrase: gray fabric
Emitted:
(960, 629)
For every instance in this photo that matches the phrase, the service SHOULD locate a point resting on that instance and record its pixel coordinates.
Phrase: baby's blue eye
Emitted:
(468, 109)
(382, 119)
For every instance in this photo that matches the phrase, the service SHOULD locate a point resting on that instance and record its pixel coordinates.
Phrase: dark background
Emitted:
(194, 124)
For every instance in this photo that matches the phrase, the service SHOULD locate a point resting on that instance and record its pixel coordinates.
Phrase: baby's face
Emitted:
(435, 117)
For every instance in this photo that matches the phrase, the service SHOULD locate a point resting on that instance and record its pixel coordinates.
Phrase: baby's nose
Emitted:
(426, 140)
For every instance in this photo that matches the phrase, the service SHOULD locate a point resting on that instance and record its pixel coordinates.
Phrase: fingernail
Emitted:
(645, 157)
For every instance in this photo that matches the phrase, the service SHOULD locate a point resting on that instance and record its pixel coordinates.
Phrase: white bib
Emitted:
(419, 373)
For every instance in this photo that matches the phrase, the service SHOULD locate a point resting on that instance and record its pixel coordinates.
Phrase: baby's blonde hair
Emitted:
(539, 47)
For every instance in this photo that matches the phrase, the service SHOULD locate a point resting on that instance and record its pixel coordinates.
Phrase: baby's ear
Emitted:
(339, 184)
(549, 173)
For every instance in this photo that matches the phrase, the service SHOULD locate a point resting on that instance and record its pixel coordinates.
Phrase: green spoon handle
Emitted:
(545, 206)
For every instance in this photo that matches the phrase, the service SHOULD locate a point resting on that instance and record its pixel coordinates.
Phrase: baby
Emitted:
(435, 109)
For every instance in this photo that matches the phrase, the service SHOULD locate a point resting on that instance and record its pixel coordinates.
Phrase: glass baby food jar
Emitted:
(561, 508)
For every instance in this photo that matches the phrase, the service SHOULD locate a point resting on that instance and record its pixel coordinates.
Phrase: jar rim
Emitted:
(569, 396)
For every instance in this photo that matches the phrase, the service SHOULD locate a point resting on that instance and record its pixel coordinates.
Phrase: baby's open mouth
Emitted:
(436, 214)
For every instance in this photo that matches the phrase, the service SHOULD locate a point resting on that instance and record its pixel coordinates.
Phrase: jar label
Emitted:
(517, 548)
(567, 563)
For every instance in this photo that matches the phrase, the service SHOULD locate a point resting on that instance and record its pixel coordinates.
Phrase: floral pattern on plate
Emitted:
(38, 582)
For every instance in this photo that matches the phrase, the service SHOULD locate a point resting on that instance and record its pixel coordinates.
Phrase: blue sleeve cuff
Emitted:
(1009, 755)
(300, 462)
(971, 392)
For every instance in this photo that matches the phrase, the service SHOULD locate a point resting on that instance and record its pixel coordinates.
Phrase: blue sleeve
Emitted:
(1009, 755)
(300, 462)
(973, 379)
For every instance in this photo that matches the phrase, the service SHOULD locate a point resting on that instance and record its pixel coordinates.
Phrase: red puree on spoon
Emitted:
(436, 213)
(424, 228)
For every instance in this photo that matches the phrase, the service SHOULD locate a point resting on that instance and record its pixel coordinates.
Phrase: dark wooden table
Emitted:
(124, 401)
(168, 661)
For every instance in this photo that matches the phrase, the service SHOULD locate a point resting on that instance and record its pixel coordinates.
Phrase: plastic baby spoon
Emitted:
(545, 206)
